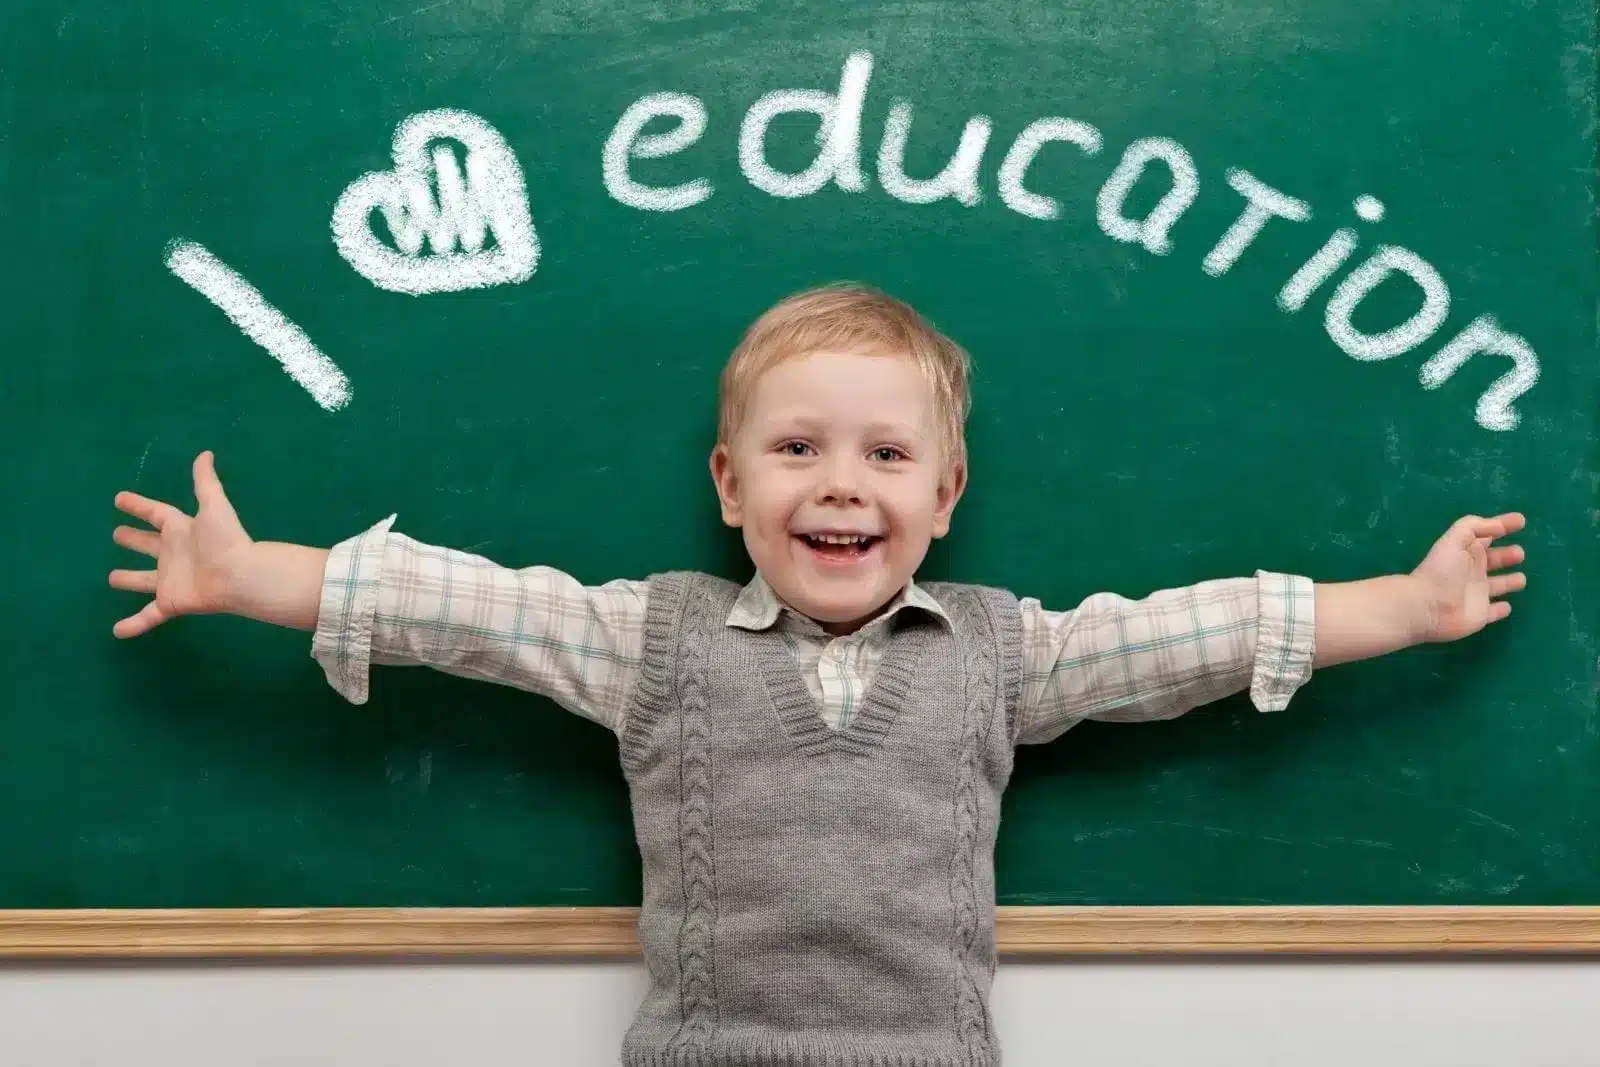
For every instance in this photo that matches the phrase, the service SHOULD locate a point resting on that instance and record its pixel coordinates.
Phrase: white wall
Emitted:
(1095, 1014)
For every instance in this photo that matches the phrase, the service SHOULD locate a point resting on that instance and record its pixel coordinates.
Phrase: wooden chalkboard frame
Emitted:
(609, 933)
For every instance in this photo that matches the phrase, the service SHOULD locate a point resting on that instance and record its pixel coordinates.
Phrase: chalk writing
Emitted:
(1483, 334)
(261, 322)
(959, 178)
(427, 199)
(1317, 270)
(1014, 168)
(625, 144)
(839, 155)
(1152, 230)
(1264, 203)
(838, 161)
(1418, 328)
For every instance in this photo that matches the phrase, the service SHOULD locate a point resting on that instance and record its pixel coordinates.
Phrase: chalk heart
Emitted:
(491, 198)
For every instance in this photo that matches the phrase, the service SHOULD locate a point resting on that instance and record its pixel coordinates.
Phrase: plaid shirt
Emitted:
(388, 599)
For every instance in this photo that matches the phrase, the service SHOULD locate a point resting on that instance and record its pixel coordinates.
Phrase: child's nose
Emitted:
(840, 483)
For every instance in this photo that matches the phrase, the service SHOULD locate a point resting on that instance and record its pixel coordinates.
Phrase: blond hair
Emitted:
(849, 317)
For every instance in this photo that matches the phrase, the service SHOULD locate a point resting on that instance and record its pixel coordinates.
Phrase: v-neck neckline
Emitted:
(801, 713)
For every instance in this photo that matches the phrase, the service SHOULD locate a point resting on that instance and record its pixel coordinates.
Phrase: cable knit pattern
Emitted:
(980, 694)
(697, 943)
(817, 897)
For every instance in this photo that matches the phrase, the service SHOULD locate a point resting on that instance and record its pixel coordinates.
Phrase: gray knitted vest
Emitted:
(812, 897)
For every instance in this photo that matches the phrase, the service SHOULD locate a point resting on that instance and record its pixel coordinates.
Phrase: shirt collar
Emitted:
(759, 608)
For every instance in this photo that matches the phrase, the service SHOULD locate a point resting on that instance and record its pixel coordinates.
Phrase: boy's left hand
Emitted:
(1456, 583)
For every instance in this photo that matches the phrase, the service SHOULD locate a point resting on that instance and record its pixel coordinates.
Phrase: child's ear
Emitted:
(727, 486)
(949, 492)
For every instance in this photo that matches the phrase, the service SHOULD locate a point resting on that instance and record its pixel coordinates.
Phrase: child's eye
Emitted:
(794, 448)
(887, 454)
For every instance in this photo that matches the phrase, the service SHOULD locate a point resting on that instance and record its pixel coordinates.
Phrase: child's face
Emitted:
(836, 446)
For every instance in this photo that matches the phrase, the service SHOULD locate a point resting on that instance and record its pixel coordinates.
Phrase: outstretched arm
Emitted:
(382, 598)
(1124, 660)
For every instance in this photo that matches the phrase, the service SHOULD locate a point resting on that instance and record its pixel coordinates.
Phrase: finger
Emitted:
(1511, 522)
(1495, 526)
(146, 541)
(1501, 584)
(134, 581)
(207, 486)
(1499, 609)
(1506, 556)
(146, 620)
(1465, 530)
(142, 507)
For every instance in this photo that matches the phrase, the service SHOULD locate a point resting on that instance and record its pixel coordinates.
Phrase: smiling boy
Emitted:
(816, 759)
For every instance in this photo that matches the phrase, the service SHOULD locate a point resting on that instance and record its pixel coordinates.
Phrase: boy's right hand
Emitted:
(198, 558)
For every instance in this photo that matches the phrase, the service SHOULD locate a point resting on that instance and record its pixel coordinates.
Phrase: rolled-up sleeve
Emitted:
(342, 641)
(1122, 660)
(1285, 644)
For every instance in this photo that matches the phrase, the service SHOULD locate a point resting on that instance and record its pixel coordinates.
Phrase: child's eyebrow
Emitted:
(810, 424)
(786, 423)
(891, 429)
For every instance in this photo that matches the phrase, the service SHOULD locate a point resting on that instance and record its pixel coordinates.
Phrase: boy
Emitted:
(816, 760)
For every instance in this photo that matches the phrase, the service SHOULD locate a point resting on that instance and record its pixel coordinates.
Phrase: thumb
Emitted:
(207, 486)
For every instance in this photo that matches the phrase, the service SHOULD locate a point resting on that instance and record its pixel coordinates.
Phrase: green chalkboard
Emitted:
(1150, 410)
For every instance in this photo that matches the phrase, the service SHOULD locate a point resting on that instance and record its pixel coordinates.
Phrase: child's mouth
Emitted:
(839, 549)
